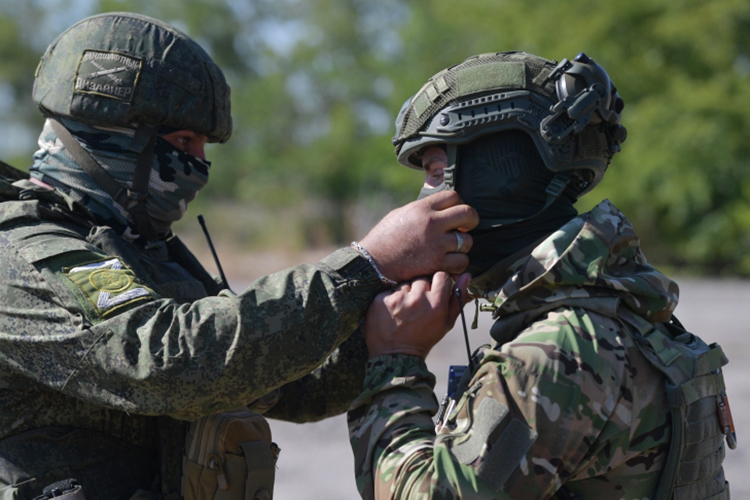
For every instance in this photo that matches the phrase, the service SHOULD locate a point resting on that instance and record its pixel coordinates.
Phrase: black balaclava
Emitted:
(503, 176)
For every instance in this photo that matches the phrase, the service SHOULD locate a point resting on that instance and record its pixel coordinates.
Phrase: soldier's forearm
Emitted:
(397, 455)
(390, 423)
(216, 353)
(329, 389)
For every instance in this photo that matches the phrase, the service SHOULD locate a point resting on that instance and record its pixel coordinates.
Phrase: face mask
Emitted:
(176, 176)
(504, 178)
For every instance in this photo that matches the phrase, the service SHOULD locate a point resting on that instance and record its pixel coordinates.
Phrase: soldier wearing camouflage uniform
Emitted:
(585, 392)
(112, 335)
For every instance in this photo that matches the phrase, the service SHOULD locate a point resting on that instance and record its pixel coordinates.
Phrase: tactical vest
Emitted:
(696, 394)
(701, 419)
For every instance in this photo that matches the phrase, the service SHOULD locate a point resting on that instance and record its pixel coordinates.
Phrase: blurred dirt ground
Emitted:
(316, 460)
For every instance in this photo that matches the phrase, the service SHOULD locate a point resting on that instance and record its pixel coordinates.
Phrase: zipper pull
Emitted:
(441, 413)
(221, 478)
(725, 419)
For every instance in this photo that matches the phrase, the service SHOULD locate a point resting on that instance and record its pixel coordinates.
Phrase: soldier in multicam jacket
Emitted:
(112, 335)
(585, 393)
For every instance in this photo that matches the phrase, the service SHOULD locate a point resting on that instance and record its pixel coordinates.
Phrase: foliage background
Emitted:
(317, 84)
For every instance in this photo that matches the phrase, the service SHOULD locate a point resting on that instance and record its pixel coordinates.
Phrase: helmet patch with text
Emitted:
(108, 74)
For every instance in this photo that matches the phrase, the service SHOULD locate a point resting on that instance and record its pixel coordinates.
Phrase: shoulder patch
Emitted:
(495, 457)
(107, 286)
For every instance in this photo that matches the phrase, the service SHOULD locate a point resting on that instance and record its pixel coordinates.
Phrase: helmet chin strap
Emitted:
(449, 174)
(134, 199)
(143, 143)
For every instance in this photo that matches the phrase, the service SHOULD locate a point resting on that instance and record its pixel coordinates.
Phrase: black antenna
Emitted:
(466, 332)
(213, 252)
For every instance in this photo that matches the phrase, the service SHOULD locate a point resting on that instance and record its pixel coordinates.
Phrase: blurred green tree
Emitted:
(317, 84)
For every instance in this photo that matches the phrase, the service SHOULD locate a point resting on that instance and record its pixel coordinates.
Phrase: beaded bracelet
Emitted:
(386, 281)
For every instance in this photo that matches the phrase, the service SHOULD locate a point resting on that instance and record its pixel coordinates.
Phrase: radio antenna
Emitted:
(213, 252)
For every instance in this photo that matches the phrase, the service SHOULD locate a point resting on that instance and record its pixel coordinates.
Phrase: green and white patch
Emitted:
(108, 74)
(108, 286)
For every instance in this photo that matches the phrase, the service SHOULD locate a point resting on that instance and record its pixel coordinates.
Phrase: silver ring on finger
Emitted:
(459, 242)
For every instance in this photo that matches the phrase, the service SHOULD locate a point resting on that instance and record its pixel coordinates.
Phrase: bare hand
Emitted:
(419, 239)
(414, 317)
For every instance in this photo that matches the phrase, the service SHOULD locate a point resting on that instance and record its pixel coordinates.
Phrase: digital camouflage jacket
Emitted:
(99, 337)
(563, 398)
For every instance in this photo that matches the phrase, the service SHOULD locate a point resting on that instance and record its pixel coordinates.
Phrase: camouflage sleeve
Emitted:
(557, 406)
(393, 437)
(78, 322)
(329, 389)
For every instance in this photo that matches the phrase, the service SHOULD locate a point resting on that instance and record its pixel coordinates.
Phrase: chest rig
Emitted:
(701, 420)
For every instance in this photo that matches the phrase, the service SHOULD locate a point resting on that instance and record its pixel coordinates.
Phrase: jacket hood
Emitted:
(594, 261)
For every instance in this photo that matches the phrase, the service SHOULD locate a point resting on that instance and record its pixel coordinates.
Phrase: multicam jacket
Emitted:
(101, 338)
(564, 398)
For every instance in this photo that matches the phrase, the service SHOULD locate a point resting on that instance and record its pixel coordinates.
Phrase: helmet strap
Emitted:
(134, 199)
(449, 174)
(144, 135)
(427, 191)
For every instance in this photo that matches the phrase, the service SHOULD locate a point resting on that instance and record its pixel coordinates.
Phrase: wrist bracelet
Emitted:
(386, 281)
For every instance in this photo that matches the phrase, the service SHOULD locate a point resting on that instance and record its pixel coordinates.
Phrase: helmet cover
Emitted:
(125, 69)
(571, 110)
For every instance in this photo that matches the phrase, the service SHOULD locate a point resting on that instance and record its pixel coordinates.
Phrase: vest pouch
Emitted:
(229, 456)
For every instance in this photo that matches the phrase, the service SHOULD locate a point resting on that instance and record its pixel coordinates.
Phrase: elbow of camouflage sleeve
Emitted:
(393, 415)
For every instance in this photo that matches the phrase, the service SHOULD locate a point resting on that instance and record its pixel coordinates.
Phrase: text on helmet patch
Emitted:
(108, 74)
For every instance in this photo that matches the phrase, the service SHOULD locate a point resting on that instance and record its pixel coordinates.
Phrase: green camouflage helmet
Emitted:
(127, 69)
(571, 110)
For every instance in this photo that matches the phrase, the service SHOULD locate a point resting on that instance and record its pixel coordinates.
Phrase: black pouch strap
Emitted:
(171, 449)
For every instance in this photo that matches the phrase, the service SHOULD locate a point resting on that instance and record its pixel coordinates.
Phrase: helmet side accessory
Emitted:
(571, 110)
